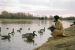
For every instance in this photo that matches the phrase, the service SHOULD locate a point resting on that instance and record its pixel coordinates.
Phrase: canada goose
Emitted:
(7, 28)
(29, 35)
(0, 29)
(6, 36)
(28, 28)
(73, 23)
(52, 28)
(41, 30)
(20, 28)
(13, 32)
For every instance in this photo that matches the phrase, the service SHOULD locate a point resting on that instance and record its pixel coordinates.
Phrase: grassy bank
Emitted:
(64, 43)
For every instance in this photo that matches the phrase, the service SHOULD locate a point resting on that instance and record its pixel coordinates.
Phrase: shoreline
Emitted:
(63, 43)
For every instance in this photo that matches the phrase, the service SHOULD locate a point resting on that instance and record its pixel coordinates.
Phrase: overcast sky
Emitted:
(40, 7)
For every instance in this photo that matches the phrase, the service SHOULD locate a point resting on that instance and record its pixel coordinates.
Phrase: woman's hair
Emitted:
(56, 17)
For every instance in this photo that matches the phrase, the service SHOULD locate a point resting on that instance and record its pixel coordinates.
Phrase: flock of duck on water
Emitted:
(28, 36)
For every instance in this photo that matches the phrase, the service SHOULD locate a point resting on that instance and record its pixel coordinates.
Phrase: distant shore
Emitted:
(15, 21)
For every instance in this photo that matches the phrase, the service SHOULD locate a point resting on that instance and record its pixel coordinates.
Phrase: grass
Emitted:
(15, 21)
(56, 44)
(64, 43)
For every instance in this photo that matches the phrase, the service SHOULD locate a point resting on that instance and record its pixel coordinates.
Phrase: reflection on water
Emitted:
(29, 41)
(16, 31)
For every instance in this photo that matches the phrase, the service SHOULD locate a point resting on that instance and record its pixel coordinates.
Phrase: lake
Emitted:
(16, 42)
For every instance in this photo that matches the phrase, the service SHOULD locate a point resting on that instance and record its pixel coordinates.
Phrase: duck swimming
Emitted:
(41, 30)
(6, 36)
(29, 35)
(13, 32)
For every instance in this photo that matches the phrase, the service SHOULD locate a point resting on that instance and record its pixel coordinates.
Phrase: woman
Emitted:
(58, 27)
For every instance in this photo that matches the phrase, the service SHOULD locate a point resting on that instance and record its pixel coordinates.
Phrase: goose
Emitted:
(13, 32)
(28, 28)
(52, 28)
(7, 28)
(6, 36)
(20, 28)
(29, 35)
(41, 30)
(0, 29)
(73, 23)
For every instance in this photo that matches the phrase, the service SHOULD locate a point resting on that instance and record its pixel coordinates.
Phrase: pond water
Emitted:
(16, 42)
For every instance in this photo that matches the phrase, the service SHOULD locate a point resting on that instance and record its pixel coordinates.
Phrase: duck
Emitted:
(41, 30)
(28, 28)
(7, 28)
(20, 28)
(6, 36)
(73, 24)
(29, 35)
(13, 32)
(0, 29)
(52, 28)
